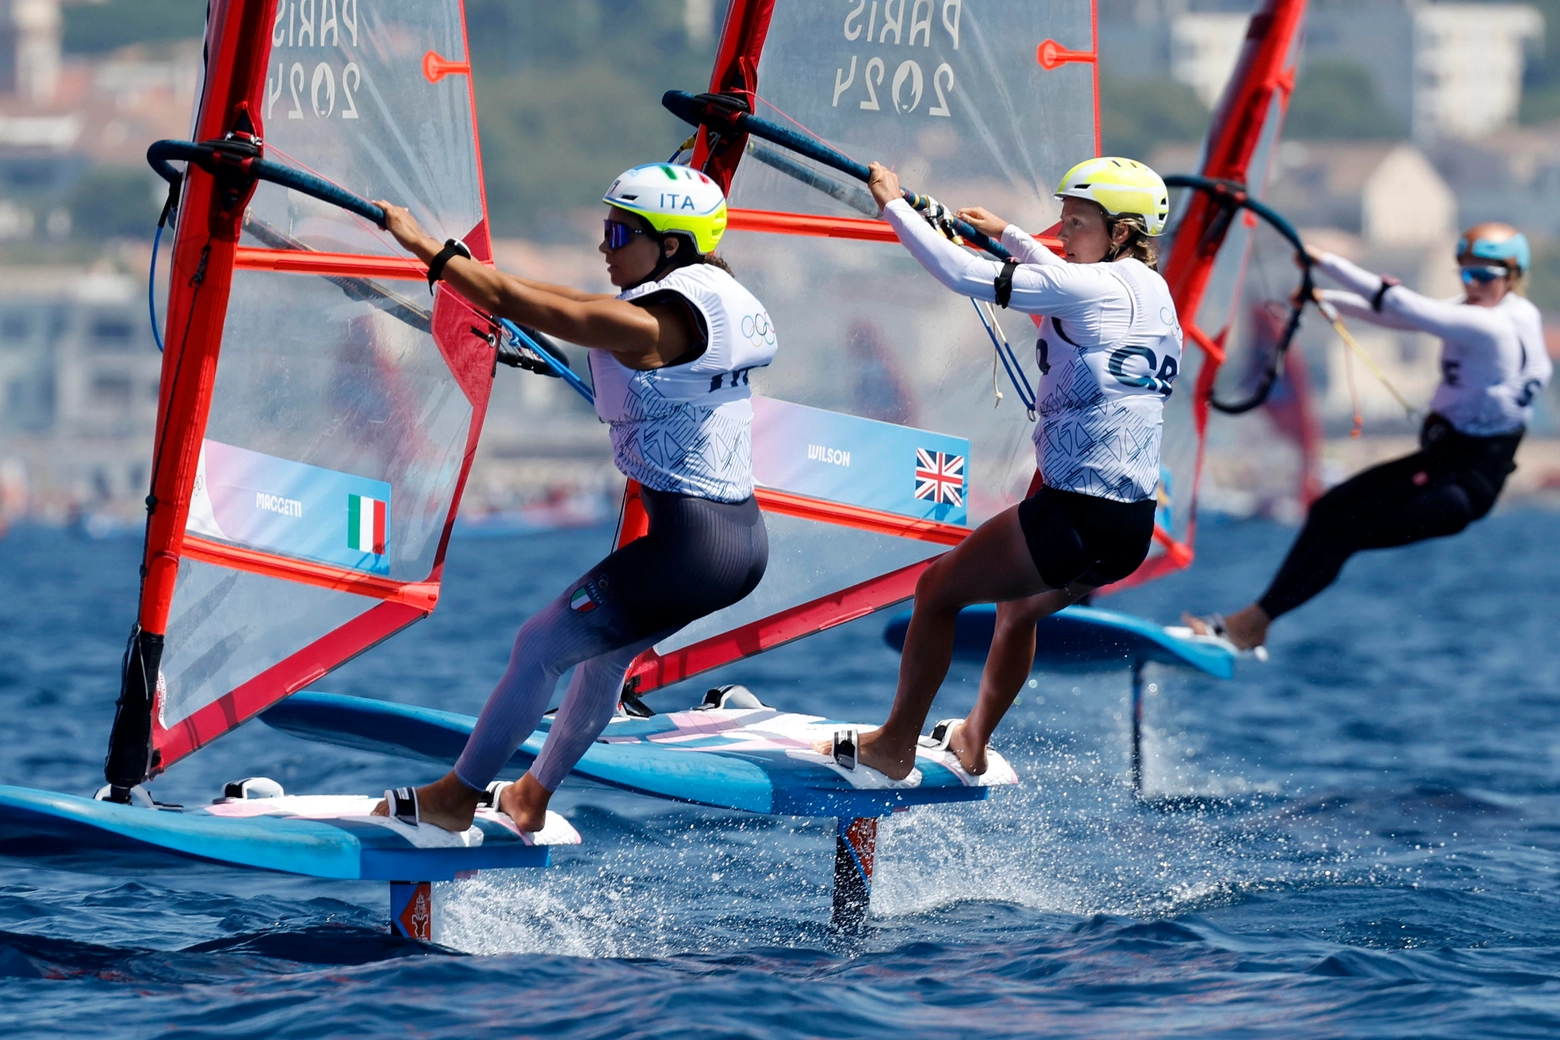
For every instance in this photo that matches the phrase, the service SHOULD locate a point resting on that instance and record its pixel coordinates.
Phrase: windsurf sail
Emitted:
(318, 411)
(888, 426)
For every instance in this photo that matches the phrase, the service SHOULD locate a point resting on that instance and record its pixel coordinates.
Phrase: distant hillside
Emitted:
(94, 28)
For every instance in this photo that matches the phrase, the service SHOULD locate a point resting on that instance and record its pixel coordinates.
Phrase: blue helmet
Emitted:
(1499, 243)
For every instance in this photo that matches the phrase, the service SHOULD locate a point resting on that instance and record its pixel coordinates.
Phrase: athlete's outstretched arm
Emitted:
(599, 322)
(1026, 248)
(1353, 305)
(1403, 308)
(1051, 289)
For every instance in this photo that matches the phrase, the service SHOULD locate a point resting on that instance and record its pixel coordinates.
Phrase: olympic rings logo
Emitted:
(758, 329)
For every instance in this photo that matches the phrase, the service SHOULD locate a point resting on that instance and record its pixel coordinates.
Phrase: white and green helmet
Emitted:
(673, 198)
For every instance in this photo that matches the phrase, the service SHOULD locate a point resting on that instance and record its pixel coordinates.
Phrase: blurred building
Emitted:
(1511, 175)
(1445, 70)
(78, 387)
(30, 48)
(699, 20)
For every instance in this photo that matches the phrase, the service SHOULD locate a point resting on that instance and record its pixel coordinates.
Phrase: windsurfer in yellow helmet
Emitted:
(669, 356)
(1108, 353)
(1493, 364)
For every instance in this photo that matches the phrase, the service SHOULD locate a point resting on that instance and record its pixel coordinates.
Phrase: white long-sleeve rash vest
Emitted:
(1108, 352)
(1493, 359)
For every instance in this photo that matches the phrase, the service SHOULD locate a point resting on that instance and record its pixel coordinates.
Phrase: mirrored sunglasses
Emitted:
(617, 234)
(1482, 273)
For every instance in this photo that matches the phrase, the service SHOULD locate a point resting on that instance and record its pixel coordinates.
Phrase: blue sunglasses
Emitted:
(1483, 273)
(617, 234)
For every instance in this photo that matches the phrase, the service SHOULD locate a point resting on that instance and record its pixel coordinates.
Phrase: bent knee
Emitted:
(934, 589)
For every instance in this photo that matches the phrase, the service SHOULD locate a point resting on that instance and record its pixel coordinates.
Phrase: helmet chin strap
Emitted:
(665, 265)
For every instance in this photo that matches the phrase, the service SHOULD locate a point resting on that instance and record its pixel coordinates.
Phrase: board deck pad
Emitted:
(752, 759)
(327, 836)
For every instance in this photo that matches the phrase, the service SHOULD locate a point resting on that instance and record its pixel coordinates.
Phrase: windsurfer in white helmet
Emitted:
(670, 356)
(1493, 364)
(1108, 353)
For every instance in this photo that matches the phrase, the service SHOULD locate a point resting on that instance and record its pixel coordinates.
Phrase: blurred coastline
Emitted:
(1409, 120)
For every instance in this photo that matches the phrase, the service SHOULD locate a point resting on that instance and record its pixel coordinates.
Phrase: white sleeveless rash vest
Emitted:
(1108, 353)
(688, 428)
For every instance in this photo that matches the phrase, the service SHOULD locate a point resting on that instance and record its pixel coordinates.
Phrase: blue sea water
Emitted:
(1359, 839)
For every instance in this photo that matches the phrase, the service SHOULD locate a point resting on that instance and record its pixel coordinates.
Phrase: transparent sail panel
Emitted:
(865, 331)
(804, 555)
(348, 94)
(952, 94)
(228, 626)
(336, 434)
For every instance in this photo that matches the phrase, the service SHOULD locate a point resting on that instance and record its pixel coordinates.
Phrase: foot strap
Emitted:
(940, 735)
(488, 799)
(402, 802)
(845, 748)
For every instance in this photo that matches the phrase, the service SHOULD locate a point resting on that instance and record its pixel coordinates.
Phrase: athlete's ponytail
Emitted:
(1138, 246)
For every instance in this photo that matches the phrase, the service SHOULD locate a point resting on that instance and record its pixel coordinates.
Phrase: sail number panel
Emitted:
(265, 502)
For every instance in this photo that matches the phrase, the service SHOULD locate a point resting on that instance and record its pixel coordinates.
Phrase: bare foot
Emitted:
(971, 753)
(445, 803)
(874, 752)
(525, 802)
(1246, 628)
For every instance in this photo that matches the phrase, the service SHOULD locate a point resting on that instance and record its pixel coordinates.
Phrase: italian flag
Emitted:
(366, 524)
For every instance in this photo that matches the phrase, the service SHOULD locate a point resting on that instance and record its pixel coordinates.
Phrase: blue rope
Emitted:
(553, 363)
(151, 288)
(1015, 371)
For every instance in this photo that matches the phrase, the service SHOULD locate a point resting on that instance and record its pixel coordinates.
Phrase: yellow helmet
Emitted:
(1123, 187)
(673, 198)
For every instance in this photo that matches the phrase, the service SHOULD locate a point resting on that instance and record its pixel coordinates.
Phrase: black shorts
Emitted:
(1085, 539)
(699, 556)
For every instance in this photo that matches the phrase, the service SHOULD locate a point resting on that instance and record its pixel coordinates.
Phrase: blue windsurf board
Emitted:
(324, 836)
(754, 759)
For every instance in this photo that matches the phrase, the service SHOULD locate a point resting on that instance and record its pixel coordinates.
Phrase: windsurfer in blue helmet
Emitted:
(670, 356)
(1493, 364)
(1108, 353)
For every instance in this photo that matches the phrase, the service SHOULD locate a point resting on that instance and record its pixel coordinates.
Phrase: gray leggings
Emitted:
(698, 557)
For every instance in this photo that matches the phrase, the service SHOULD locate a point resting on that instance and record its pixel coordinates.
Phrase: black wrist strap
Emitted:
(1387, 282)
(452, 248)
(1004, 282)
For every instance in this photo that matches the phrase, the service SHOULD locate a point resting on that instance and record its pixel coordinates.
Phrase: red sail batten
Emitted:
(652, 670)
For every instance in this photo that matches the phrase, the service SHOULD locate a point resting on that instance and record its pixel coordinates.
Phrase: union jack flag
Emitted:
(939, 477)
